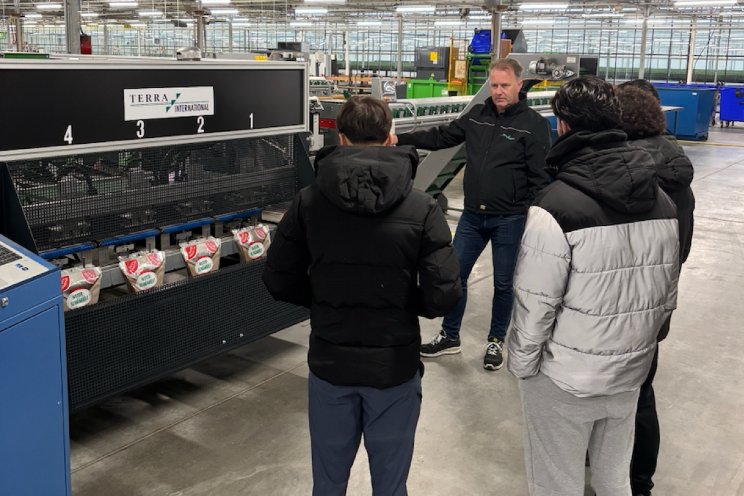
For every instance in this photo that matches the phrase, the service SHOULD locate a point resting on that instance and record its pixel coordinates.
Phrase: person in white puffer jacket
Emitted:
(596, 277)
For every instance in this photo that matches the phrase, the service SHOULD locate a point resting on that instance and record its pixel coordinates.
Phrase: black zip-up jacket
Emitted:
(505, 155)
(368, 255)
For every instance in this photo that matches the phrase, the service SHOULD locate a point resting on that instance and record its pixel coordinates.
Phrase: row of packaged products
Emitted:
(81, 286)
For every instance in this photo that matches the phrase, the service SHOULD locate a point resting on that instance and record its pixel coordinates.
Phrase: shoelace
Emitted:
(438, 339)
(493, 348)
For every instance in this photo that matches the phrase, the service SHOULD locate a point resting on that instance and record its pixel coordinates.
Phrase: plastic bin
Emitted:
(732, 104)
(693, 120)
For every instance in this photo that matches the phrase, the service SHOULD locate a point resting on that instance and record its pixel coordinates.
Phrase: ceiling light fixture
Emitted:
(310, 10)
(122, 5)
(49, 6)
(329, 2)
(150, 13)
(32, 15)
(369, 23)
(301, 24)
(215, 2)
(605, 15)
(88, 14)
(416, 8)
(543, 6)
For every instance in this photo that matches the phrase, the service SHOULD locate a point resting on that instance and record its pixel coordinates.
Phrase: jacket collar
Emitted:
(515, 109)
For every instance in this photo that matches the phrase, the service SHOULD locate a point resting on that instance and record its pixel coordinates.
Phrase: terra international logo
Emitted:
(163, 103)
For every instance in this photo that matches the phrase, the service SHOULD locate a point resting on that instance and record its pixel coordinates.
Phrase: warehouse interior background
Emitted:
(707, 35)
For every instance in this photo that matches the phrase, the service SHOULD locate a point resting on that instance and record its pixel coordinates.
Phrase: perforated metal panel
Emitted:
(118, 345)
(82, 198)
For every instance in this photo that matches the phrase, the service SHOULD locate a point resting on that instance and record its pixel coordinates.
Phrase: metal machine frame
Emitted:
(128, 340)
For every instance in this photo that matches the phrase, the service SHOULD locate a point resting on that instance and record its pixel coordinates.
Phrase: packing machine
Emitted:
(103, 157)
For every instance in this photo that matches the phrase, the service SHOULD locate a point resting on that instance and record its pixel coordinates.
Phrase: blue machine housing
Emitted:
(34, 436)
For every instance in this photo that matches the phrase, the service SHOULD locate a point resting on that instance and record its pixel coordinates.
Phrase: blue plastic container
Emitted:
(732, 104)
(481, 42)
(693, 120)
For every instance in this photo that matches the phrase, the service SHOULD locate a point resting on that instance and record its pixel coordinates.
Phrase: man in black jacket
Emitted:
(368, 255)
(506, 144)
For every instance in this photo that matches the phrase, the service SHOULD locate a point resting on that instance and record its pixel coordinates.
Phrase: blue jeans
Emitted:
(474, 231)
(340, 415)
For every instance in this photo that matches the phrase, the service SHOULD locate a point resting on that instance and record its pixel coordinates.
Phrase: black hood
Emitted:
(366, 179)
(604, 166)
(673, 168)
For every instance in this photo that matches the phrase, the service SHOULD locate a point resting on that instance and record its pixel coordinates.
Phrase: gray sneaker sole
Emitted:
(448, 351)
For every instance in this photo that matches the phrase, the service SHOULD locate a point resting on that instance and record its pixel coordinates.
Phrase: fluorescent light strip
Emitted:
(543, 6)
(215, 2)
(301, 24)
(369, 23)
(416, 8)
(150, 13)
(602, 16)
(49, 6)
(448, 22)
(32, 15)
(120, 5)
(88, 14)
(703, 4)
(329, 2)
(310, 10)
(224, 11)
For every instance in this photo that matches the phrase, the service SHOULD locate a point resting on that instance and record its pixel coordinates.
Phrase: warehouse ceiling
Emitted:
(352, 11)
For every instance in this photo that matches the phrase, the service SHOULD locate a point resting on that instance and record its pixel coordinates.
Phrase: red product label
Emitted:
(243, 235)
(131, 265)
(190, 252)
(154, 259)
(65, 282)
(261, 233)
(211, 246)
(90, 276)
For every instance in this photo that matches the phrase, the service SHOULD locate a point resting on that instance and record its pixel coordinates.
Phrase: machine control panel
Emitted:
(16, 267)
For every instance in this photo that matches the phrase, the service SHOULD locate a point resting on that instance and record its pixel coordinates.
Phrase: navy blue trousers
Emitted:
(341, 415)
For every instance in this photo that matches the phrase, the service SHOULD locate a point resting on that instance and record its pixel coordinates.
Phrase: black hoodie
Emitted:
(602, 180)
(368, 255)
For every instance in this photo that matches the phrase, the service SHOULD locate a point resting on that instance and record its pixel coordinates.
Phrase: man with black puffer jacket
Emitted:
(506, 143)
(645, 124)
(595, 279)
(367, 254)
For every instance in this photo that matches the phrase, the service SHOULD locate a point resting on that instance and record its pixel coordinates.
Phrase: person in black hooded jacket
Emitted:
(367, 254)
(645, 125)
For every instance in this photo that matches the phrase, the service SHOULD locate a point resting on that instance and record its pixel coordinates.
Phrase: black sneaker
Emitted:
(440, 345)
(493, 360)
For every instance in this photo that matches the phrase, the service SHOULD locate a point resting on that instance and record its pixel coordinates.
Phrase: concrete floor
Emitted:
(237, 425)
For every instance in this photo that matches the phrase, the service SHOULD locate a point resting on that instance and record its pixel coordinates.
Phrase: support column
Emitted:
(347, 61)
(691, 51)
(105, 38)
(200, 32)
(230, 37)
(18, 33)
(72, 25)
(644, 36)
(496, 32)
(400, 49)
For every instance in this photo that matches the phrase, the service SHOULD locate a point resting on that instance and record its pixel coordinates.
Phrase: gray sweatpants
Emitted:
(560, 428)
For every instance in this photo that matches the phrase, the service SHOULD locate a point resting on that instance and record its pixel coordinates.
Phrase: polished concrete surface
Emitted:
(237, 424)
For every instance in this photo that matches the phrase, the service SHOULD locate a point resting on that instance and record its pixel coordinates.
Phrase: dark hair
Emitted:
(642, 115)
(642, 84)
(506, 65)
(364, 119)
(587, 103)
